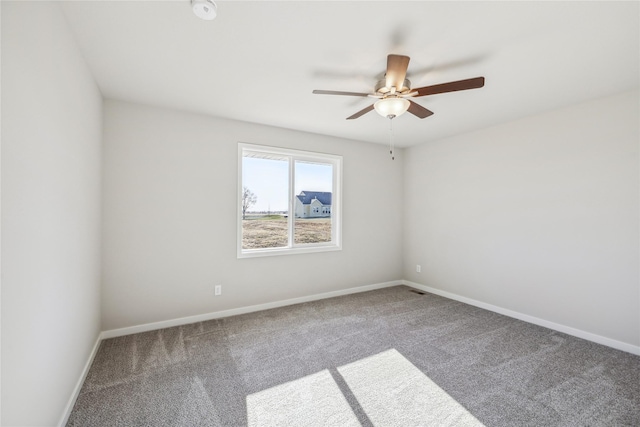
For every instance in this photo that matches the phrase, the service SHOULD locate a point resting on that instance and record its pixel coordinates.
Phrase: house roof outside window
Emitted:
(306, 197)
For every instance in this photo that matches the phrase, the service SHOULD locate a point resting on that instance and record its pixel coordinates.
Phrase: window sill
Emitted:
(254, 253)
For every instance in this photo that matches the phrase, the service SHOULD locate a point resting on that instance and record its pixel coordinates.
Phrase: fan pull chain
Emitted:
(391, 141)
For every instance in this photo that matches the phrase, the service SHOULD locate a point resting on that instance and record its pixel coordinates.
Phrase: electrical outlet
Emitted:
(418, 268)
(218, 290)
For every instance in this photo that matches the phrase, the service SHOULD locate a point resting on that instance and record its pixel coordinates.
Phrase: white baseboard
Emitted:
(242, 310)
(619, 345)
(76, 389)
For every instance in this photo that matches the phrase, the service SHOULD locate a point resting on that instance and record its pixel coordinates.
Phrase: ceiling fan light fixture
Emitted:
(392, 101)
(204, 9)
(391, 107)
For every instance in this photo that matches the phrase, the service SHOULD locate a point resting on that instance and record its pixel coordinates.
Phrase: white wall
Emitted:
(169, 231)
(539, 216)
(51, 148)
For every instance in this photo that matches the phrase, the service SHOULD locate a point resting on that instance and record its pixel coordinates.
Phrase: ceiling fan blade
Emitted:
(361, 112)
(474, 83)
(418, 110)
(337, 92)
(396, 71)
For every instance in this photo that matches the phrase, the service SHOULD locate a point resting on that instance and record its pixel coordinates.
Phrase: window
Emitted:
(288, 201)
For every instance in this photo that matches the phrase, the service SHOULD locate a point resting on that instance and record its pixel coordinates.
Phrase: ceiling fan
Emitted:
(394, 90)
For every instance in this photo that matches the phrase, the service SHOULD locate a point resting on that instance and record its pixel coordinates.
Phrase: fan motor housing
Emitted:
(381, 87)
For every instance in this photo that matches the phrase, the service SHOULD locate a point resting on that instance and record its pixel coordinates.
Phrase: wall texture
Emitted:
(51, 149)
(170, 214)
(538, 216)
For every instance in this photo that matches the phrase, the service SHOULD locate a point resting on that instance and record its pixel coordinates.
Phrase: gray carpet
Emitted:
(502, 371)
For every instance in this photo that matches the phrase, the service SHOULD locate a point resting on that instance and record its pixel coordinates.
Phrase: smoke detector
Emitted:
(204, 9)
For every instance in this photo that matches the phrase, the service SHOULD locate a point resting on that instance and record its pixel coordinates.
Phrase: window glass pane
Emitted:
(312, 202)
(265, 202)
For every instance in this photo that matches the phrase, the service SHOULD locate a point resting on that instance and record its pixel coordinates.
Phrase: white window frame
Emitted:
(336, 201)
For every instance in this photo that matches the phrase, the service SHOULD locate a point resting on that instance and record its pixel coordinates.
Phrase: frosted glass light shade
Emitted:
(391, 106)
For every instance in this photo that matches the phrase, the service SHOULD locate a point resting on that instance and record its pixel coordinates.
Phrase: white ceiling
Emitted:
(259, 61)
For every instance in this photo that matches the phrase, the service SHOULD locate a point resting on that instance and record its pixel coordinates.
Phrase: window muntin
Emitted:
(297, 207)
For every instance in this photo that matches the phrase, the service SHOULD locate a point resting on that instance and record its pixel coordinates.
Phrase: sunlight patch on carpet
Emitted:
(393, 392)
(314, 400)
